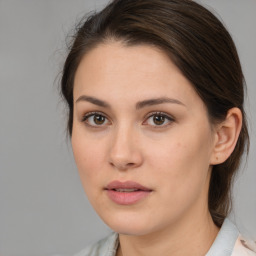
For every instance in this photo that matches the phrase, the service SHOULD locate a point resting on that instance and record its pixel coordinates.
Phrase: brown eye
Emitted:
(95, 119)
(99, 119)
(159, 119)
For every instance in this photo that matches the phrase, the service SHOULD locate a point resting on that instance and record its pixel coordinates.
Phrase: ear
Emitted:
(226, 136)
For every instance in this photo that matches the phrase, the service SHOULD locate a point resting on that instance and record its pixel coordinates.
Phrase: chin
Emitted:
(130, 230)
(126, 224)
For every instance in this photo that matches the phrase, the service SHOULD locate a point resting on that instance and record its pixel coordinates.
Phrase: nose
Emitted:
(125, 152)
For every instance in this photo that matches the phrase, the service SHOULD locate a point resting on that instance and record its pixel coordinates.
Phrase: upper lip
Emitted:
(126, 185)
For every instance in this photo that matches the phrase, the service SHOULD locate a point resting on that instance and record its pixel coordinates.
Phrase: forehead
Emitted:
(115, 71)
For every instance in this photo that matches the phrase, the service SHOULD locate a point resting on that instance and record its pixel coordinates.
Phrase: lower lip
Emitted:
(127, 198)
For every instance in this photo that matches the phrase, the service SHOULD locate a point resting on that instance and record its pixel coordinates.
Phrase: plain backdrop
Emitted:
(43, 209)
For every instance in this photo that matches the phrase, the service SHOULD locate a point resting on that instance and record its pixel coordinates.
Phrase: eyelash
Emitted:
(90, 114)
(152, 114)
(161, 114)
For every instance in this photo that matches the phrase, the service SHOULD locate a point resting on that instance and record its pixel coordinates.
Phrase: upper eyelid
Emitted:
(159, 113)
(91, 113)
(88, 114)
(148, 115)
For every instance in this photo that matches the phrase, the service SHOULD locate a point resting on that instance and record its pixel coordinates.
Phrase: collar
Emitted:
(225, 240)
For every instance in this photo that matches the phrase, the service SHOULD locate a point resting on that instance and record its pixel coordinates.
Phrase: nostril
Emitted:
(122, 165)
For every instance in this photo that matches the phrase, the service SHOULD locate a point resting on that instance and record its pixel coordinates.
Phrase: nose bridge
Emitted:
(124, 149)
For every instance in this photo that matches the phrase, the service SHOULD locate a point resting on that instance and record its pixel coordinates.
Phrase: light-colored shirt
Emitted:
(227, 243)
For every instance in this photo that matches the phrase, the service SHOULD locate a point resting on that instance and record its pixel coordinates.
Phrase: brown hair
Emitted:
(199, 45)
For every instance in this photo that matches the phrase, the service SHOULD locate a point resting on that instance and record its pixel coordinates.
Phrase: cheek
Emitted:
(182, 160)
(182, 175)
(89, 158)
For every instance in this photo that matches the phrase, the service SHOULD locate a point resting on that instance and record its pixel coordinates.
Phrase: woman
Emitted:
(155, 93)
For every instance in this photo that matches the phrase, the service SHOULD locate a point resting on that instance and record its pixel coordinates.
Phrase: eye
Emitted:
(159, 119)
(95, 119)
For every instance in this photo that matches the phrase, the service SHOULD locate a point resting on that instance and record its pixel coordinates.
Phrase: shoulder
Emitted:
(244, 247)
(104, 247)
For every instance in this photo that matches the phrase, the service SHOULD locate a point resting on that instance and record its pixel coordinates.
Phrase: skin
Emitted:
(173, 159)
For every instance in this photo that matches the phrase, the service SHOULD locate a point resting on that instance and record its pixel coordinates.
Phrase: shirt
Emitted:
(227, 243)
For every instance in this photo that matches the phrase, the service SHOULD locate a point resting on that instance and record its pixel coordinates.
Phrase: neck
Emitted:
(188, 237)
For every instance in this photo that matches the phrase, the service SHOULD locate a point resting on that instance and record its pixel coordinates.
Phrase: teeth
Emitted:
(126, 189)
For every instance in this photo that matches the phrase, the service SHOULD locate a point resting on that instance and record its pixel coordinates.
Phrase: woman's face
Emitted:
(141, 139)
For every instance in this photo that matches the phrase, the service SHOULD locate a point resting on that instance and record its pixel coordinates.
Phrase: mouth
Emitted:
(128, 190)
(126, 193)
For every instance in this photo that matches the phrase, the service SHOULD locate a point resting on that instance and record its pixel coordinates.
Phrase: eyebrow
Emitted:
(139, 105)
(94, 101)
(157, 101)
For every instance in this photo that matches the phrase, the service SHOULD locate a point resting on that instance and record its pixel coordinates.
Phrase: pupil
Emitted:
(158, 120)
(99, 119)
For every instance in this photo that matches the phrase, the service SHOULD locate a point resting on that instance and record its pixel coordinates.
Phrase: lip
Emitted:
(126, 185)
(126, 198)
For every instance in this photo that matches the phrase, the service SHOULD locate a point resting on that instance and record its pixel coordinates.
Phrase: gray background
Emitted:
(43, 209)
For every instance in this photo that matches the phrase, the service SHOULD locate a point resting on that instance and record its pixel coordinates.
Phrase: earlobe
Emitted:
(226, 136)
